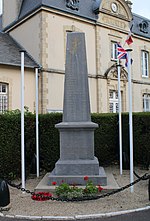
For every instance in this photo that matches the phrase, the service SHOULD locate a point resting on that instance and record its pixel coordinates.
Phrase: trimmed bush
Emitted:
(9, 145)
(141, 138)
(106, 137)
(49, 139)
(106, 140)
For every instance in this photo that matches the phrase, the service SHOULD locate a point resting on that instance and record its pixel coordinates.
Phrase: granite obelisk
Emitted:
(76, 130)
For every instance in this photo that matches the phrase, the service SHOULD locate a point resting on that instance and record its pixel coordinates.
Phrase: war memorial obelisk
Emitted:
(76, 130)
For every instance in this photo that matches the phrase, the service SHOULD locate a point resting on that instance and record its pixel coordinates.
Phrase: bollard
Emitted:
(4, 194)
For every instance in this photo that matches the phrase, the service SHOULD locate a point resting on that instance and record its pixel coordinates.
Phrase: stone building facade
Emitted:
(40, 27)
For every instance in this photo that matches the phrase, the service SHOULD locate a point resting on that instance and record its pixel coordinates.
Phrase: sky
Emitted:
(140, 7)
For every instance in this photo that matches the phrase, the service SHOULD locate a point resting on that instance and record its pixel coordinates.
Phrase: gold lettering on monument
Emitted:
(113, 22)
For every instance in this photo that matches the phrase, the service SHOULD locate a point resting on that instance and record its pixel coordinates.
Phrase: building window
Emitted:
(114, 50)
(145, 64)
(146, 102)
(113, 101)
(3, 97)
(144, 26)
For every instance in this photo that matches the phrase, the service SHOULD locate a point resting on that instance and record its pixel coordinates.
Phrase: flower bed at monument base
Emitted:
(65, 191)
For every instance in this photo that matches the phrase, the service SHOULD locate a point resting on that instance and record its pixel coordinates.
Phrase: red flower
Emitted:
(41, 196)
(99, 188)
(86, 178)
(54, 183)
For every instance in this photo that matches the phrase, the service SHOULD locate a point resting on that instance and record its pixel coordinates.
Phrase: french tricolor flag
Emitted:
(129, 39)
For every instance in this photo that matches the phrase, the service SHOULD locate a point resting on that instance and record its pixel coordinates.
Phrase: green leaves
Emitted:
(64, 190)
(90, 188)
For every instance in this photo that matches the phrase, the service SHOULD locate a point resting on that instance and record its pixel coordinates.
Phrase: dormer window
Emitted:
(73, 4)
(96, 6)
(144, 26)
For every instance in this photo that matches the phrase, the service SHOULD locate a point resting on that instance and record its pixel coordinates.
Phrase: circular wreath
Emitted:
(41, 196)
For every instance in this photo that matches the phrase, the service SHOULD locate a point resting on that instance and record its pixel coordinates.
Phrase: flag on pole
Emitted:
(122, 54)
(129, 39)
(126, 63)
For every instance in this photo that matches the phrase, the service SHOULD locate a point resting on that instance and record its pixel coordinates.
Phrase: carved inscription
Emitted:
(74, 46)
(113, 22)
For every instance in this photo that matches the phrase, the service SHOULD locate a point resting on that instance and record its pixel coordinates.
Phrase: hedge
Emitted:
(106, 140)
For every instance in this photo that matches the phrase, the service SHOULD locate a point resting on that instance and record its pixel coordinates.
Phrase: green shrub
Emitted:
(106, 140)
(9, 144)
(49, 139)
(106, 137)
(141, 141)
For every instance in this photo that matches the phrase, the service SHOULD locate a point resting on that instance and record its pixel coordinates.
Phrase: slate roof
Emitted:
(140, 26)
(85, 7)
(88, 9)
(10, 52)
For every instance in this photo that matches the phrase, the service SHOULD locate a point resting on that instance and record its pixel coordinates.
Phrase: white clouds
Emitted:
(141, 7)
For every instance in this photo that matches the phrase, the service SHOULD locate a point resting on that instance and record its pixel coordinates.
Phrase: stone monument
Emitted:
(76, 130)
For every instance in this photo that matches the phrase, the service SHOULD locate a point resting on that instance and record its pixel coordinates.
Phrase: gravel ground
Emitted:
(22, 204)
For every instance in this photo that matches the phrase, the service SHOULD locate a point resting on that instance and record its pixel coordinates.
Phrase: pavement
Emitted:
(142, 214)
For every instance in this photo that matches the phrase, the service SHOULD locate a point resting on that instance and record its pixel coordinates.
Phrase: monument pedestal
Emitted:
(74, 167)
(77, 155)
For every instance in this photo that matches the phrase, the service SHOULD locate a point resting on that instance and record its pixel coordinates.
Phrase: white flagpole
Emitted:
(37, 123)
(120, 122)
(130, 118)
(22, 122)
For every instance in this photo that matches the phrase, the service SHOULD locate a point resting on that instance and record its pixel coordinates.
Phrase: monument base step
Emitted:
(45, 184)
(99, 179)
(78, 167)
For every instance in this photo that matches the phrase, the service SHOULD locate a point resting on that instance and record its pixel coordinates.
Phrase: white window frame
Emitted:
(113, 100)
(3, 97)
(114, 50)
(145, 63)
(146, 102)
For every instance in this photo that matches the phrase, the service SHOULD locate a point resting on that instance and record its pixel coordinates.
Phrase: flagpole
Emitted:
(130, 118)
(120, 122)
(22, 122)
(37, 123)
